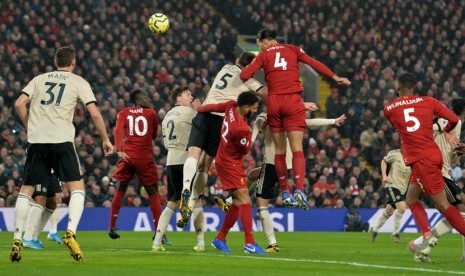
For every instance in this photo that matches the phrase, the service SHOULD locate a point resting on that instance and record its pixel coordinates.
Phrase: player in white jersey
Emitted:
(454, 195)
(395, 187)
(204, 138)
(52, 98)
(176, 127)
(267, 178)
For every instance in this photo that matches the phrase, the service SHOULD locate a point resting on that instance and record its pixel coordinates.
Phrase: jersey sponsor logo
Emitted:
(231, 115)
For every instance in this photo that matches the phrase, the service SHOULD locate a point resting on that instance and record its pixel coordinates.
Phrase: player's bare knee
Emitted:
(51, 203)
(460, 207)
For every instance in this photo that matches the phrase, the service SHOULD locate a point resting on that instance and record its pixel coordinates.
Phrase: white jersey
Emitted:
(399, 174)
(269, 145)
(53, 98)
(448, 155)
(176, 127)
(228, 85)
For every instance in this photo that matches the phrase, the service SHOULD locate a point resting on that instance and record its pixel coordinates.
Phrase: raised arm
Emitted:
(248, 71)
(257, 127)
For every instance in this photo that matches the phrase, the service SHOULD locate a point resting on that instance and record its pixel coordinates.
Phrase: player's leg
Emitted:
(398, 214)
(123, 175)
(54, 218)
(414, 192)
(50, 207)
(68, 169)
(229, 220)
(265, 191)
(381, 221)
(199, 226)
(35, 170)
(165, 218)
(294, 124)
(245, 214)
(36, 210)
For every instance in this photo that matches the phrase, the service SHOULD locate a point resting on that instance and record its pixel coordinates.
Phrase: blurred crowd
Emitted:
(367, 41)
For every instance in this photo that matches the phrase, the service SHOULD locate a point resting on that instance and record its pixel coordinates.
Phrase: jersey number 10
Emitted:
(135, 125)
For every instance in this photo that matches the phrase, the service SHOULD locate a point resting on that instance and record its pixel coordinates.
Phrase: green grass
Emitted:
(302, 253)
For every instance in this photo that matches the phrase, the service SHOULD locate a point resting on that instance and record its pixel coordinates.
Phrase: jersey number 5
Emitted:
(135, 126)
(409, 118)
(279, 61)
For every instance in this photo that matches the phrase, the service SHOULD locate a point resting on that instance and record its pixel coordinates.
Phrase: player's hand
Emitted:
(385, 179)
(311, 106)
(107, 148)
(341, 81)
(453, 141)
(340, 120)
(460, 149)
(123, 156)
(196, 104)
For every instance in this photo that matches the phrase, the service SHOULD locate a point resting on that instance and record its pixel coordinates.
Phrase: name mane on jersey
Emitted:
(173, 113)
(137, 110)
(275, 47)
(57, 76)
(231, 116)
(403, 102)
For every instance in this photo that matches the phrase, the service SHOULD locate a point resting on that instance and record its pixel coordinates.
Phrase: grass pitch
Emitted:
(302, 253)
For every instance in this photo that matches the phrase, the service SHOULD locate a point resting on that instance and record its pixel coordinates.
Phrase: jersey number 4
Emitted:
(280, 61)
(135, 125)
(410, 118)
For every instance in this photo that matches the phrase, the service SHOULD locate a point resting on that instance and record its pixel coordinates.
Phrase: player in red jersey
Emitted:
(285, 107)
(136, 127)
(412, 116)
(236, 140)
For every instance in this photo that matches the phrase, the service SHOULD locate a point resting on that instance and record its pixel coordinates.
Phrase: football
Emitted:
(159, 23)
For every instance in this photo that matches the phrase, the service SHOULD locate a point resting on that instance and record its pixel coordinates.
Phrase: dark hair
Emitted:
(246, 58)
(247, 99)
(267, 34)
(176, 92)
(136, 94)
(458, 106)
(64, 56)
(406, 80)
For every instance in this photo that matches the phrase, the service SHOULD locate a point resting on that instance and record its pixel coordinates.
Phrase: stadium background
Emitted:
(367, 41)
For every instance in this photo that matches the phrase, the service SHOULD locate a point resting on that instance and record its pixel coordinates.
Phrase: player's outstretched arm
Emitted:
(100, 125)
(325, 122)
(257, 127)
(220, 107)
(21, 108)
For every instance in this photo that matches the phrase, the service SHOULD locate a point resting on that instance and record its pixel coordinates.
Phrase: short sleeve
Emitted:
(86, 94)
(30, 88)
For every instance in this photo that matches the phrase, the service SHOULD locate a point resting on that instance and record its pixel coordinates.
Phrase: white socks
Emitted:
(381, 221)
(21, 211)
(190, 167)
(76, 207)
(199, 225)
(397, 220)
(54, 220)
(43, 221)
(267, 224)
(33, 223)
(163, 224)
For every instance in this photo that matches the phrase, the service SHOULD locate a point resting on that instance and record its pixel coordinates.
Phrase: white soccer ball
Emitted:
(159, 23)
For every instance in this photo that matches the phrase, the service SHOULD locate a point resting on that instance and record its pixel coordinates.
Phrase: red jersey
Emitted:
(280, 64)
(236, 137)
(412, 116)
(137, 126)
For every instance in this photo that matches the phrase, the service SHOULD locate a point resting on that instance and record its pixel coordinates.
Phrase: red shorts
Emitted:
(427, 173)
(143, 167)
(232, 177)
(285, 112)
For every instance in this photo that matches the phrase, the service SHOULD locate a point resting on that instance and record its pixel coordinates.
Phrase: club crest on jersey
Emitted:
(243, 141)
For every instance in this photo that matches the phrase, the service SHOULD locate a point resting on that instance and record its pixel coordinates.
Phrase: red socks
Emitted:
(420, 217)
(281, 171)
(298, 166)
(246, 219)
(455, 219)
(230, 219)
(115, 207)
(155, 207)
